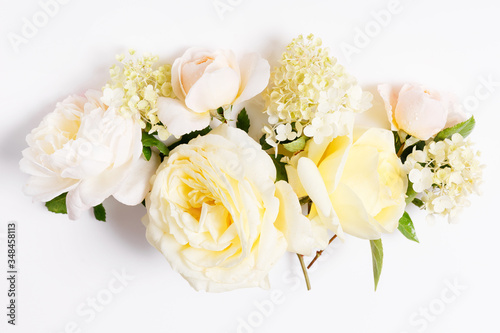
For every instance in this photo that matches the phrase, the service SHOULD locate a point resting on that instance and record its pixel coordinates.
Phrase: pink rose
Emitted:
(205, 80)
(420, 112)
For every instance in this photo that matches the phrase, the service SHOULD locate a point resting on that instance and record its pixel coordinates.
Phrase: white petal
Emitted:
(93, 191)
(47, 188)
(74, 204)
(178, 119)
(135, 187)
(390, 97)
(255, 73)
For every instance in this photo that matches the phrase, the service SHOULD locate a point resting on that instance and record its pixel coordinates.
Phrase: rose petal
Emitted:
(352, 214)
(456, 114)
(291, 222)
(191, 53)
(312, 181)
(390, 97)
(332, 166)
(419, 113)
(255, 73)
(179, 119)
(213, 90)
(378, 138)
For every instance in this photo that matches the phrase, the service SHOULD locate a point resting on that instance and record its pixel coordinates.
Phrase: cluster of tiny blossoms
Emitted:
(135, 86)
(307, 90)
(445, 172)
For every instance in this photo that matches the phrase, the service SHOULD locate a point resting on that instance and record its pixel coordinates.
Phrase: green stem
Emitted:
(304, 270)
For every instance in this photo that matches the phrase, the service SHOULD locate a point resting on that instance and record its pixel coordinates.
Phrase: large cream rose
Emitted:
(218, 217)
(205, 80)
(360, 185)
(419, 111)
(90, 151)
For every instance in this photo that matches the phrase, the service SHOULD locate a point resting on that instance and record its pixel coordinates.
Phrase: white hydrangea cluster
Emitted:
(134, 88)
(307, 90)
(445, 172)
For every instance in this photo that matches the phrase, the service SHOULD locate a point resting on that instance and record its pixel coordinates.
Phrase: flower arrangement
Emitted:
(222, 207)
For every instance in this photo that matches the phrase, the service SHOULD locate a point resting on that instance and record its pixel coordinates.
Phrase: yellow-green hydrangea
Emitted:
(135, 87)
(306, 90)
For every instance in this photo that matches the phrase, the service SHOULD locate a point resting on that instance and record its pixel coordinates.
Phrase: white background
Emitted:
(449, 45)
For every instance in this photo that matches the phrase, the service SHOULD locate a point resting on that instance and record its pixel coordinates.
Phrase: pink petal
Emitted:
(456, 114)
(213, 90)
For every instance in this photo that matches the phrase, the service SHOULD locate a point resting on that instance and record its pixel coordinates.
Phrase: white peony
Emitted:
(217, 215)
(205, 80)
(90, 151)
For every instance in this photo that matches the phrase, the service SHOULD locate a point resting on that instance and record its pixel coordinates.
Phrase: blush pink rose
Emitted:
(205, 80)
(420, 112)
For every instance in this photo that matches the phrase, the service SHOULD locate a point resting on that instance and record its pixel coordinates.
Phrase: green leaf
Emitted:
(100, 213)
(58, 204)
(243, 122)
(149, 140)
(463, 128)
(397, 141)
(377, 259)
(220, 111)
(406, 227)
(264, 144)
(410, 193)
(296, 145)
(417, 202)
(280, 167)
(189, 136)
(146, 151)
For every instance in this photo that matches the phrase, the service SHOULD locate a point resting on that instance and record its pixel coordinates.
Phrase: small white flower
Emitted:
(456, 178)
(310, 89)
(449, 172)
(442, 203)
(113, 97)
(421, 179)
(285, 132)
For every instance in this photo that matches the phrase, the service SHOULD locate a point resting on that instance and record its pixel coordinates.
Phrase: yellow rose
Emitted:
(217, 215)
(358, 188)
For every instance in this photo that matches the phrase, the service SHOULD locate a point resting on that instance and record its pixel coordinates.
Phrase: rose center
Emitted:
(193, 70)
